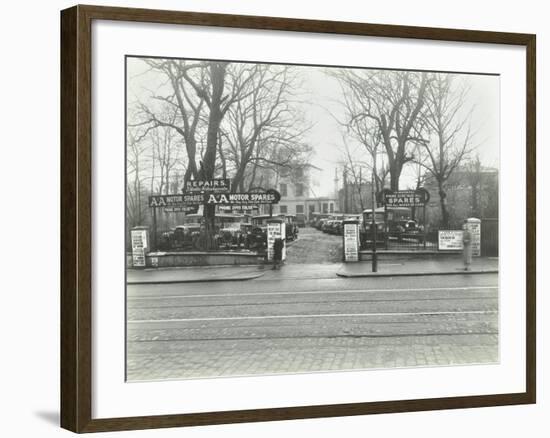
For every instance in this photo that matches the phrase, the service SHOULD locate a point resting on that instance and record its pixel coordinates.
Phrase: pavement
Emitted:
(409, 267)
(415, 266)
(195, 274)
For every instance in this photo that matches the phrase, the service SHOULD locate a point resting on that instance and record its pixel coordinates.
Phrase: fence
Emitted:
(489, 237)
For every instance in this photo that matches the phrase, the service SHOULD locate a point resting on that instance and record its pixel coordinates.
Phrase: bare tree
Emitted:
(167, 155)
(136, 149)
(449, 129)
(175, 105)
(263, 121)
(388, 103)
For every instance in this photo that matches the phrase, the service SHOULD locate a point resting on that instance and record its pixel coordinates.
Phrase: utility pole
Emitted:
(345, 189)
(373, 224)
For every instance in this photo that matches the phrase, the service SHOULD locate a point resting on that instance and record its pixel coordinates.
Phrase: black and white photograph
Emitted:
(285, 219)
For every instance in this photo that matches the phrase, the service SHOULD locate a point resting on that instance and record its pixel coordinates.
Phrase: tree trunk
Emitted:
(217, 77)
(395, 173)
(443, 204)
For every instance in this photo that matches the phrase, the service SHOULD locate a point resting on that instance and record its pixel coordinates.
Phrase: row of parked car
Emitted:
(333, 224)
(232, 231)
(391, 224)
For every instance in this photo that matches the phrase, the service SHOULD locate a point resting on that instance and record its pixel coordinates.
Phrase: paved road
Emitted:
(270, 326)
(314, 246)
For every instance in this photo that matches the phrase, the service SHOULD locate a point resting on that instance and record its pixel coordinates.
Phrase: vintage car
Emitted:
(185, 236)
(257, 236)
(337, 227)
(368, 229)
(291, 228)
(392, 223)
(229, 233)
(326, 225)
(301, 220)
(316, 218)
(405, 229)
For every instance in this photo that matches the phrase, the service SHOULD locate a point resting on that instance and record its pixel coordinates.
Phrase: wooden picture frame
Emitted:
(76, 217)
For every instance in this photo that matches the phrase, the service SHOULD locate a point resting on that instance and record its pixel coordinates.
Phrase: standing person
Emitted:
(278, 246)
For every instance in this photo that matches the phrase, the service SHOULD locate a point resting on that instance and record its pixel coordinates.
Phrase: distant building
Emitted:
(321, 204)
(354, 198)
(294, 193)
(471, 192)
(297, 197)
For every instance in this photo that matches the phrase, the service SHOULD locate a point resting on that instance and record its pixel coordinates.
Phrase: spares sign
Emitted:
(405, 198)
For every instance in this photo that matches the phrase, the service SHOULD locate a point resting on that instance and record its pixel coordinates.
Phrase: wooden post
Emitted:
(424, 224)
(154, 228)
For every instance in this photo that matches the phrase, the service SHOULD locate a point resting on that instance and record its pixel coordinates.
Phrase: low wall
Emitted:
(366, 255)
(201, 258)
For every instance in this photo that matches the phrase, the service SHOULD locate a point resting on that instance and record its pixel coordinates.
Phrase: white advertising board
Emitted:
(474, 226)
(140, 246)
(449, 240)
(275, 230)
(351, 242)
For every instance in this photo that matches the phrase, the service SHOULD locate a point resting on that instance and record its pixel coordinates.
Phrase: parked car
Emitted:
(326, 225)
(300, 220)
(405, 229)
(186, 235)
(229, 232)
(367, 228)
(337, 227)
(291, 228)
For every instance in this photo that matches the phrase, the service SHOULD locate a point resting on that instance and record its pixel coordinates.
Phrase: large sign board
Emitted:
(140, 247)
(269, 197)
(176, 200)
(351, 242)
(405, 198)
(220, 185)
(187, 199)
(450, 240)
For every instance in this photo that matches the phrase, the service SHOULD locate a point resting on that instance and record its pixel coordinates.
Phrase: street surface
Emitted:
(274, 324)
(314, 246)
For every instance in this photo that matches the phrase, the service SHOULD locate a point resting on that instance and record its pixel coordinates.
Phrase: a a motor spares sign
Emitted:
(269, 197)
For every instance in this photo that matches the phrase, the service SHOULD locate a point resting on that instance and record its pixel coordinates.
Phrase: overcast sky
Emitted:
(323, 94)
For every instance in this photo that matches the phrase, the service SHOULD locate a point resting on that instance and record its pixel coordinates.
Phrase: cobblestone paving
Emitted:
(314, 246)
(269, 326)
(274, 356)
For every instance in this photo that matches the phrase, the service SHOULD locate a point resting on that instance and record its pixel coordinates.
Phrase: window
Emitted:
(282, 189)
(299, 209)
(299, 189)
(332, 207)
(325, 207)
(283, 208)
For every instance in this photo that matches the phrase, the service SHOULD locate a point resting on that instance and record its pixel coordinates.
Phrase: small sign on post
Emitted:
(473, 225)
(351, 241)
(275, 230)
(140, 246)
